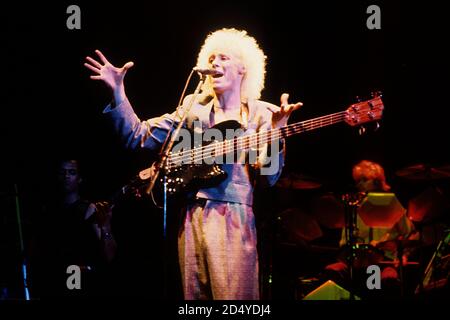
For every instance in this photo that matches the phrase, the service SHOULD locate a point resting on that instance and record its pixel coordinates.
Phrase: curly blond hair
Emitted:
(246, 49)
(369, 170)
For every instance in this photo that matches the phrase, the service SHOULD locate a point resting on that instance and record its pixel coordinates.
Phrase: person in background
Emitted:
(71, 232)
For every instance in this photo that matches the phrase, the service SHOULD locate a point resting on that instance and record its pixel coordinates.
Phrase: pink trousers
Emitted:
(217, 252)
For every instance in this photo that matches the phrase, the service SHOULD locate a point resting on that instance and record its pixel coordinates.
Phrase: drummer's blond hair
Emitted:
(370, 170)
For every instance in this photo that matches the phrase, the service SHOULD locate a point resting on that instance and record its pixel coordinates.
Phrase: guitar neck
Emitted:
(255, 140)
(260, 138)
(299, 127)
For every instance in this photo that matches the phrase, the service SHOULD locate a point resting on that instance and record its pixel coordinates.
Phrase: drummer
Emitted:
(370, 177)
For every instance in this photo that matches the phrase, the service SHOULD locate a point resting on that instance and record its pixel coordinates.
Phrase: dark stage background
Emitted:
(321, 53)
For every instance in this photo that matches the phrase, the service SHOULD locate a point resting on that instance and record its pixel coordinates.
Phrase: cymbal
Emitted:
(298, 182)
(329, 211)
(429, 206)
(424, 172)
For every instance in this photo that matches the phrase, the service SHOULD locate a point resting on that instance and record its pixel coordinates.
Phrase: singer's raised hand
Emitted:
(281, 115)
(109, 74)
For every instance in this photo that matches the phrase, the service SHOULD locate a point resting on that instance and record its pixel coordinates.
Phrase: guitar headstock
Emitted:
(364, 111)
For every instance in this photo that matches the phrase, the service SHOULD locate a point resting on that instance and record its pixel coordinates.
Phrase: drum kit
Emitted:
(329, 211)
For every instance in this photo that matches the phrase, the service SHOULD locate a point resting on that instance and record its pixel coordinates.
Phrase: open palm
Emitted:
(105, 71)
(280, 115)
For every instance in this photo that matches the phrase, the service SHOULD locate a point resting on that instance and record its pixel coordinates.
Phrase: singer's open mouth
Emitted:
(217, 75)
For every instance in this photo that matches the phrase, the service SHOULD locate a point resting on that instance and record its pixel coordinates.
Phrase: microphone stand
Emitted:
(167, 147)
(159, 165)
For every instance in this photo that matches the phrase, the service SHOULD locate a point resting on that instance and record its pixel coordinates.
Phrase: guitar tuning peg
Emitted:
(362, 130)
(377, 126)
(376, 93)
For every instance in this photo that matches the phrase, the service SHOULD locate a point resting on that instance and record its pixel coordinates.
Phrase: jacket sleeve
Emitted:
(272, 155)
(136, 133)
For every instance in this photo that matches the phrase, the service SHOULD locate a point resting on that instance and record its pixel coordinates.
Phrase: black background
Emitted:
(321, 53)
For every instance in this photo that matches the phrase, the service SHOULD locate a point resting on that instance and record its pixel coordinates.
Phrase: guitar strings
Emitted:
(231, 146)
(246, 142)
(198, 153)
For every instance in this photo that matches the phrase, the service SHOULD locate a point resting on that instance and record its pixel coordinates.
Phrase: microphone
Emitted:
(206, 72)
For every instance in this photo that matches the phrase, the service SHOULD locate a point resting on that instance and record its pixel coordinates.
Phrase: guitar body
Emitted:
(193, 176)
(190, 177)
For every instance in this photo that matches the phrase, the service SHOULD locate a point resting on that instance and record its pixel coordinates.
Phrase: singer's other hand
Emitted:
(109, 74)
(281, 115)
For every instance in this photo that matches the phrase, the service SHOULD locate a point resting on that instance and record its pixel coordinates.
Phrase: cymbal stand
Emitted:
(351, 203)
(435, 259)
